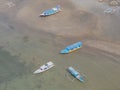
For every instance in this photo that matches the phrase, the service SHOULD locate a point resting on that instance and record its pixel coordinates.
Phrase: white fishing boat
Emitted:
(44, 67)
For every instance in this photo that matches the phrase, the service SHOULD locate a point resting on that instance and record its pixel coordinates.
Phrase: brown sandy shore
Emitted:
(71, 22)
(106, 35)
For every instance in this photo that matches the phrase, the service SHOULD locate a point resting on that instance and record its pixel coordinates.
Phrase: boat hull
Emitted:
(71, 48)
(75, 74)
(44, 68)
(51, 11)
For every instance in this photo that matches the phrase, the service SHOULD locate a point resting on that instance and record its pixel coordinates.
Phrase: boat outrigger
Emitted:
(51, 11)
(45, 67)
(76, 74)
(71, 48)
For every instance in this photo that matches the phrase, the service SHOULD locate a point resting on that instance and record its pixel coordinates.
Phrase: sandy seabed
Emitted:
(28, 41)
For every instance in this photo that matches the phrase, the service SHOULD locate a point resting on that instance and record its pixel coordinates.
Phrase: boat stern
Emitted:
(42, 15)
(58, 8)
(64, 51)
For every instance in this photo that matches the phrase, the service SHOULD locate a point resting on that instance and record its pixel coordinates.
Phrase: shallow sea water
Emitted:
(23, 49)
(21, 55)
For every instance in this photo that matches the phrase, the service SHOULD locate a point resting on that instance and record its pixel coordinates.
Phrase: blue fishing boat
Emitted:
(76, 74)
(51, 11)
(71, 48)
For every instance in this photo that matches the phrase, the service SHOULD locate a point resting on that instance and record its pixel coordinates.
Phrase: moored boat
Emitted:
(44, 67)
(71, 48)
(76, 74)
(51, 11)
(109, 10)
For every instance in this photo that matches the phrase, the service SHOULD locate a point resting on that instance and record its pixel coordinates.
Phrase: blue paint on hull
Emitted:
(76, 74)
(71, 48)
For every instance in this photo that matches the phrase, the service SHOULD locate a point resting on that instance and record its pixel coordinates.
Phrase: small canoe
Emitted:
(75, 74)
(109, 11)
(51, 11)
(71, 48)
(44, 67)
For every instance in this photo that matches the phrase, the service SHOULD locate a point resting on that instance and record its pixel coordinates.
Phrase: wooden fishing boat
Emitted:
(51, 11)
(71, 48)
(76, 74)
(44, 67)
